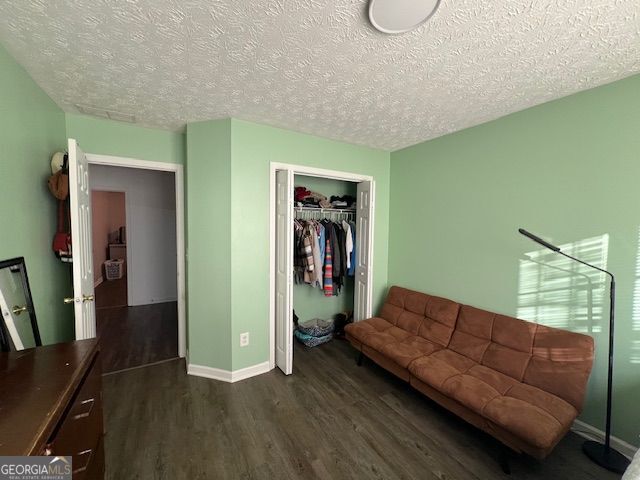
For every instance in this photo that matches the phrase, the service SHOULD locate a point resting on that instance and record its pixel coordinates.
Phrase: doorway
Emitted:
(134, 231)
(109, 248)
(282, 253)
(83, 270)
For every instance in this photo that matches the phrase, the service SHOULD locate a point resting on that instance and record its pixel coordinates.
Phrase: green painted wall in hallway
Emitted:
(121, 139)
(253, 147)
(32, 128)
(208, 174)
(567, 170)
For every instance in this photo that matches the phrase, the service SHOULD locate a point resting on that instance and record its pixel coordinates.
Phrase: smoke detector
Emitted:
(400, 16)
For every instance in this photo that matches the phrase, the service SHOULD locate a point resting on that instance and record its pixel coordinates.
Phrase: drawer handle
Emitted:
(90, 402)
(87, 455)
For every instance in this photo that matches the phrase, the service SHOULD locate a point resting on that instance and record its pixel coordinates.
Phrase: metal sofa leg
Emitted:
(360, 358)
(503, 459)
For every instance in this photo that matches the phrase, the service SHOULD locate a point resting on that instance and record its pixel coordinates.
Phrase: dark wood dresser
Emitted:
(51, 404)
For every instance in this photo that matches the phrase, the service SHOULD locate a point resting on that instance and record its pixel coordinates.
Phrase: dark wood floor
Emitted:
(112, 293)
(134, 336)
(329, 420)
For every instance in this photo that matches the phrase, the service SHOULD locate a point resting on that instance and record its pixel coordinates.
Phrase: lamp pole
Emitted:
(602, 454)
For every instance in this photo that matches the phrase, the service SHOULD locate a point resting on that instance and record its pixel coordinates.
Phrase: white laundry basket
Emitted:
(114, 269)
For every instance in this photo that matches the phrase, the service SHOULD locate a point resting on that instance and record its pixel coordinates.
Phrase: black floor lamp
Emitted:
(602, 454)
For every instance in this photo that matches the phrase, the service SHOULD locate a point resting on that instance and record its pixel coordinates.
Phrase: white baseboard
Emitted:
(151, 301)
(227, 375)
(592, 433)
(98, 281)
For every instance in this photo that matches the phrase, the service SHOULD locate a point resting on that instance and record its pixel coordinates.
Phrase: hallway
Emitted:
(135, 336)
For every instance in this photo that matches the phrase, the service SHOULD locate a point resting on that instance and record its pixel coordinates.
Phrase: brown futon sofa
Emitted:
(521, 382)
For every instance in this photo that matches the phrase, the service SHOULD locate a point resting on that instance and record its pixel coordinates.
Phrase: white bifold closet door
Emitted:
(80, 206)
(364, 248)
(284, 271)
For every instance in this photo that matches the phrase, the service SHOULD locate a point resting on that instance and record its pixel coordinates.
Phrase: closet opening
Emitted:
(323, 257)
(322, 251)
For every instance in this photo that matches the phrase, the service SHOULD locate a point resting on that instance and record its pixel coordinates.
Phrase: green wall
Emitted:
(310, 302)
(253, 147)
(32, 128)
(567, 170)
(209, 243)
(121, 139)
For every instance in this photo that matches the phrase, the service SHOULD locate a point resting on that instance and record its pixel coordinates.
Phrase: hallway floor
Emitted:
(134, 336)
(112, 293)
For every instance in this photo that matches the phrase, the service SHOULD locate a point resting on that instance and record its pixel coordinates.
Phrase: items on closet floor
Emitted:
(342, 320)
(318, 331)
(324, 253)
(314, 332)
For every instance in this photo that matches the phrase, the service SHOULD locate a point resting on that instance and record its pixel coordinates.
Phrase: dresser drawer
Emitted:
(81, 428)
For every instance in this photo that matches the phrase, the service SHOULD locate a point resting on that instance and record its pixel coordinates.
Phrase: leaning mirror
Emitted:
(18, 326)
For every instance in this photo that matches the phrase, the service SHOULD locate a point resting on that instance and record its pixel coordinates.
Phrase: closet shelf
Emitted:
(325, 210)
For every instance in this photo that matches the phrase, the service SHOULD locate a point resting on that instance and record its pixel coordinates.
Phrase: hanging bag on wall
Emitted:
(62, 239)
(59, 180)
(59, 187)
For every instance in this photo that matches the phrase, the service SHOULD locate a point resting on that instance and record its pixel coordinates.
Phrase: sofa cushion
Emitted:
(551, 359)
(432, 318)
(440, 320)
(469, 391)
(506, 360)
(472, 335)
(559, 409)
(407, 350)
(561, 364)
(437, 368)
(498, 381)
(528, 420)
(377, 340)
(394, 304)
(359, 330)
(496, 396)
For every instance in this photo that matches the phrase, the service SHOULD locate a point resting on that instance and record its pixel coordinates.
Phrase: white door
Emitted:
(364, 249)
(80, 197)
(284, 270)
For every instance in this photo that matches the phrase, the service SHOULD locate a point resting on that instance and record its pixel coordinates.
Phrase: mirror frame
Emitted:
(18, 265)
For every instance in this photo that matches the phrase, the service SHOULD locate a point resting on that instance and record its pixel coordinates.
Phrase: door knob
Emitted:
(87, 298)
(18, 310)
(68, 300)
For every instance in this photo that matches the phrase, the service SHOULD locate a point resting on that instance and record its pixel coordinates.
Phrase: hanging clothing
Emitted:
(323, 254)
(352, 268)
(317, 280)
(321, 240)
(328, 270)
(348, 242)
(298, 255)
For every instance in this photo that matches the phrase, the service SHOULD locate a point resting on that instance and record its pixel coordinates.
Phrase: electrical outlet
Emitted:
(244, 339)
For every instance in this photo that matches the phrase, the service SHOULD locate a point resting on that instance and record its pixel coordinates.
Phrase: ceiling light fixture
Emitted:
(400, 16)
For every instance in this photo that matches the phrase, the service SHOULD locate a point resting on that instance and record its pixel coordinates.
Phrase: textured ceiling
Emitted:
(318, 66)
